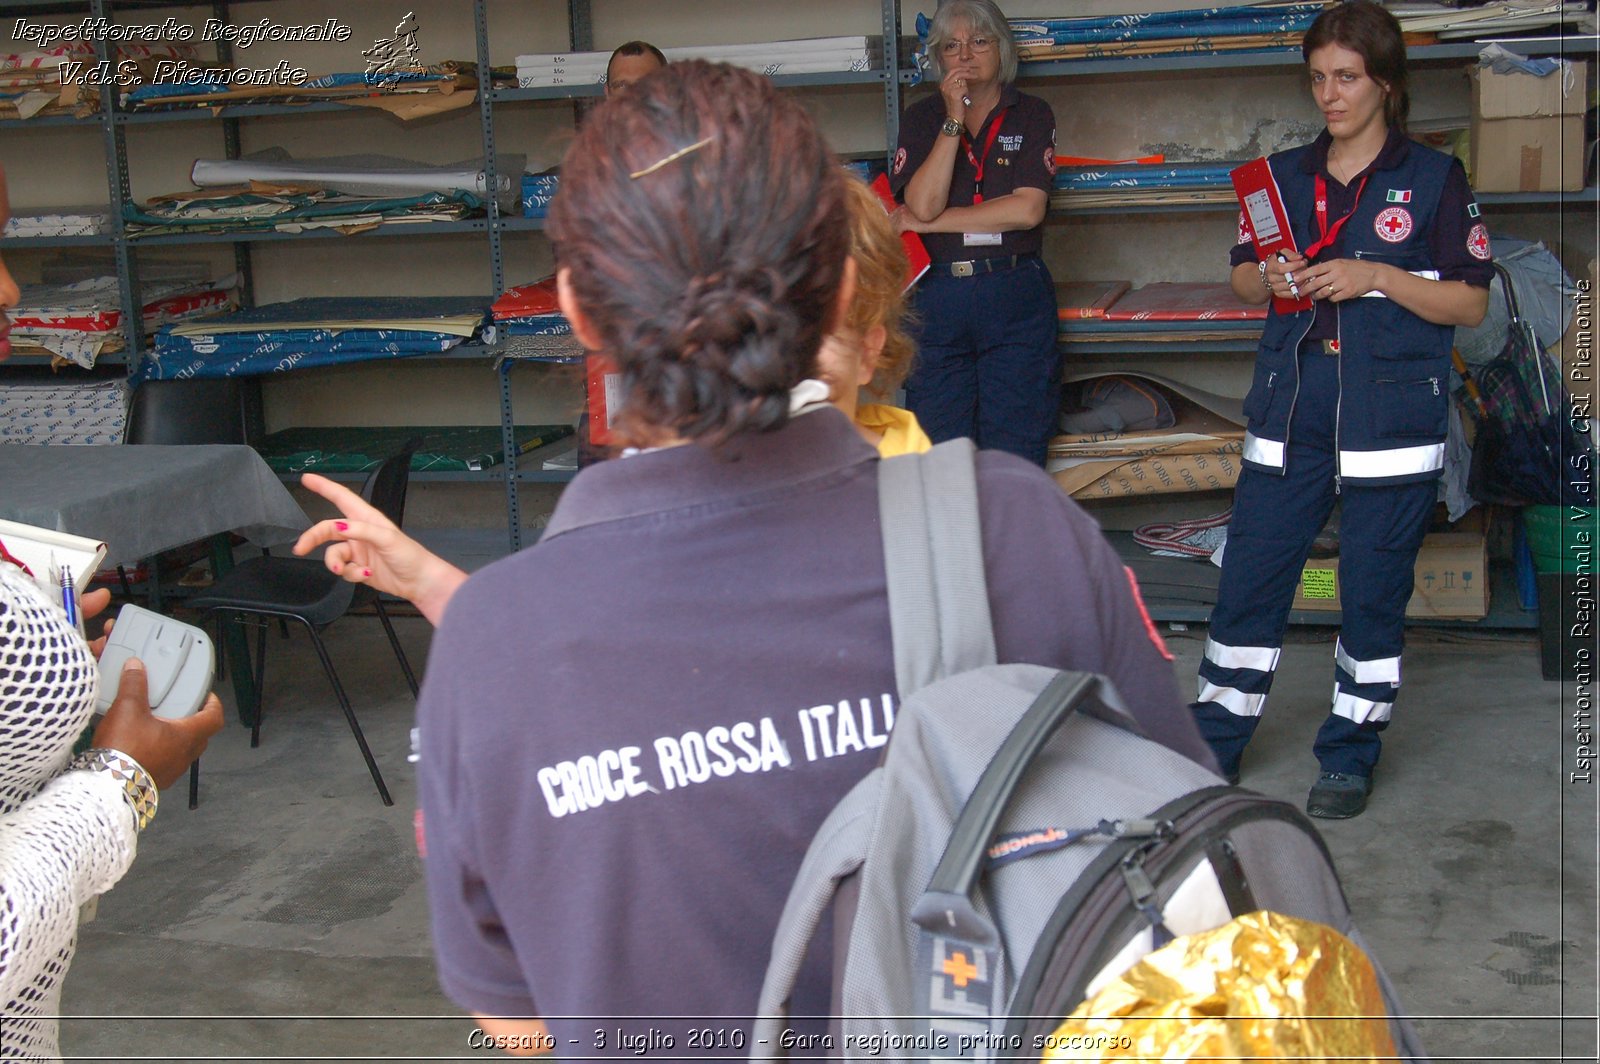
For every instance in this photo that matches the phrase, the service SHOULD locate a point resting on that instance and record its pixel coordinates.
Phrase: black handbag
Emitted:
(1529, 448)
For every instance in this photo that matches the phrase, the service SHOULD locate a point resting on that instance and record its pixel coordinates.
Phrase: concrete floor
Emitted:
(284, 918)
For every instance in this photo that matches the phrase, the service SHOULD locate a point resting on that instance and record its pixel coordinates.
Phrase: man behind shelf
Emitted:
(630, 62)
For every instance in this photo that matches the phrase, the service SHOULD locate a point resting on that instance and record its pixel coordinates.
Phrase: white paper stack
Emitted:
(811, 55)
(58, 221)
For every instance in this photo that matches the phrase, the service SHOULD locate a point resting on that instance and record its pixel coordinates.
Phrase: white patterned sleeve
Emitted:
(71, 841)
(64, 836)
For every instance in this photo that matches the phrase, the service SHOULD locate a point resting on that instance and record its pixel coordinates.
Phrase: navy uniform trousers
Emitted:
(987, 366)
(1275, 520)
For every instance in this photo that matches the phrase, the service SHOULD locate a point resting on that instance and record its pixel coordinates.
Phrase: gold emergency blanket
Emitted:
(1261, 987)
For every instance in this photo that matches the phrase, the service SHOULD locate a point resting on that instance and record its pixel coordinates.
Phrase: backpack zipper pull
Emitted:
(1143, 894)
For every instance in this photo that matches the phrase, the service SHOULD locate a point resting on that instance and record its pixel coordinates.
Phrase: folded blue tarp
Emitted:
(382, 327)
(1209, 21)
(1167, 175)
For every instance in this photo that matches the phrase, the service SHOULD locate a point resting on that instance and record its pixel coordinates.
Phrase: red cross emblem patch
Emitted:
(1244, 230)
(1478, 242)
(1393, 224)
(899, 160)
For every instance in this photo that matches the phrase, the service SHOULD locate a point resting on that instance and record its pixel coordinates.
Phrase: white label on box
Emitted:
(613, 386)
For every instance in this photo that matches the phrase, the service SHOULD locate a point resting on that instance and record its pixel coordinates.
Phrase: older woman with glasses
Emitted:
(973, 170)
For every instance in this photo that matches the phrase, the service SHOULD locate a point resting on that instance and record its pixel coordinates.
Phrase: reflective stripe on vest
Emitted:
(1426, 275)
(1263, 452)
(1381, 465)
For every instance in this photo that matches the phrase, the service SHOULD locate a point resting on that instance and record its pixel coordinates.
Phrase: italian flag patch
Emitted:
(1472, 212)
(1399, 195)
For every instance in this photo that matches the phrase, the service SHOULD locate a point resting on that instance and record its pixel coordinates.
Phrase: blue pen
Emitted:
(69, 598)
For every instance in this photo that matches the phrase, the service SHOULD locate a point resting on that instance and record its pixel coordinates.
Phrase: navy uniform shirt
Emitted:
(1458, 242)
(630, 731)
(1023, 155)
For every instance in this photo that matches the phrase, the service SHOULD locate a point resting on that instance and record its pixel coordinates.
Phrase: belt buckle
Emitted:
(961, 269)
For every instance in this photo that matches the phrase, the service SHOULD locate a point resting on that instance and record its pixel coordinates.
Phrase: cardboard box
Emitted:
(1527, 154)
(1451, 579)
(1525, 96)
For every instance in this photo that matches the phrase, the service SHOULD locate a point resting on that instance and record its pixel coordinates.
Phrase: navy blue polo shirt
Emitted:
(630, 731)
(1456, 232)
(1023, 155)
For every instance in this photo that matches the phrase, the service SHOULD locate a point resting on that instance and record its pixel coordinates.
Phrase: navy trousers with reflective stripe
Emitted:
(1275, 520)
(987, 366)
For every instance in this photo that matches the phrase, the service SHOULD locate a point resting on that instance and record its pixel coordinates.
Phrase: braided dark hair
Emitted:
(711, 279)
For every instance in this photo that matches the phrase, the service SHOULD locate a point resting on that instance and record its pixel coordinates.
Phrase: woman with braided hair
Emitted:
(615, 805)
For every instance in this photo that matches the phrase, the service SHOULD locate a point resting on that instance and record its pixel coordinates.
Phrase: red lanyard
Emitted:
(979, 161)
(1330, 235)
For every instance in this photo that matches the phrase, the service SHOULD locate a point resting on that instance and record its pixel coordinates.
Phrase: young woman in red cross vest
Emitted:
(1349, 401)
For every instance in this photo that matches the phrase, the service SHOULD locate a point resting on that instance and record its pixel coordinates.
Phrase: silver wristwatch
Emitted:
(951, 127)
(137, 786)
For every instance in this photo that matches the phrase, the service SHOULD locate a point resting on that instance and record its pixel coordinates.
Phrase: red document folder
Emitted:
(1087, 299)
(1266, 220)
(913, 243)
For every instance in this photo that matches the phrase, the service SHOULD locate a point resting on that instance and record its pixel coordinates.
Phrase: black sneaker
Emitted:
(1338, 796)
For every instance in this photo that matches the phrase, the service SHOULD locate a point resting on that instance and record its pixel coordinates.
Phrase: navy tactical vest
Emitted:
(1394, 366)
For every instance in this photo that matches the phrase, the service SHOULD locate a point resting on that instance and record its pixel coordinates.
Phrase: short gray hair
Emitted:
(983, 17)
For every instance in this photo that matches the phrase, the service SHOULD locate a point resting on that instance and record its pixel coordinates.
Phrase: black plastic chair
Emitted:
(202, 410)
(302, 589)
(190, 411)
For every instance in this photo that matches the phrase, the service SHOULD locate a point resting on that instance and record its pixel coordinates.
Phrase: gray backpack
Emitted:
(1021, 840)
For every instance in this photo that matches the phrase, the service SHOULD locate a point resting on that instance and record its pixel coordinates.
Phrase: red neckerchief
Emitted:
(1329, 235)
(979, 161)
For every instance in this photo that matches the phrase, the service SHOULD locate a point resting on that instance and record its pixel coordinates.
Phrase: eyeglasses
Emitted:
(977, 45)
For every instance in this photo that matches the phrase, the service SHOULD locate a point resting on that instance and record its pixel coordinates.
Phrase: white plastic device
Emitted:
(177, 659)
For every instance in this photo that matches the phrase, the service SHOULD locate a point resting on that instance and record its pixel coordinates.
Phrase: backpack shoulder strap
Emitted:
(933, 560)
(836, 852)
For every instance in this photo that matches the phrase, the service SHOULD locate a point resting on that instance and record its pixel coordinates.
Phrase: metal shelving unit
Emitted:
(1141, 66)
(114, 126)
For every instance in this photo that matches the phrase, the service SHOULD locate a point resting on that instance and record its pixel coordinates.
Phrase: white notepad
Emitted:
(45, 552)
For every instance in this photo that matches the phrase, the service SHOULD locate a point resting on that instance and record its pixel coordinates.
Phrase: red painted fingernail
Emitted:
(366, 572)
(342, 526)
(338, 567)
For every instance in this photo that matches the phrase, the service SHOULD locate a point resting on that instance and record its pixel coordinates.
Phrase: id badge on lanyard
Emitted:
(1330, 233)
(975, 240)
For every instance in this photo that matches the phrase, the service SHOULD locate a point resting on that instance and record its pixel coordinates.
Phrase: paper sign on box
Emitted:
(1450, 579)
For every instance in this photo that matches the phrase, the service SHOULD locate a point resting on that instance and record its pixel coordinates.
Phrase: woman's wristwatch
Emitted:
(137, 787)
(951, 127)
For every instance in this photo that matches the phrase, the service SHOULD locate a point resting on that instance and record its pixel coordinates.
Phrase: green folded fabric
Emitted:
(445, 448)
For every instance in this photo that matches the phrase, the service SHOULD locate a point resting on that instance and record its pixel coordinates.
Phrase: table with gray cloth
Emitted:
(143, 499)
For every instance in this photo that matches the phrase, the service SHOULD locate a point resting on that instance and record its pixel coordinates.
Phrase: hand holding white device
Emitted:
(177, 659)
